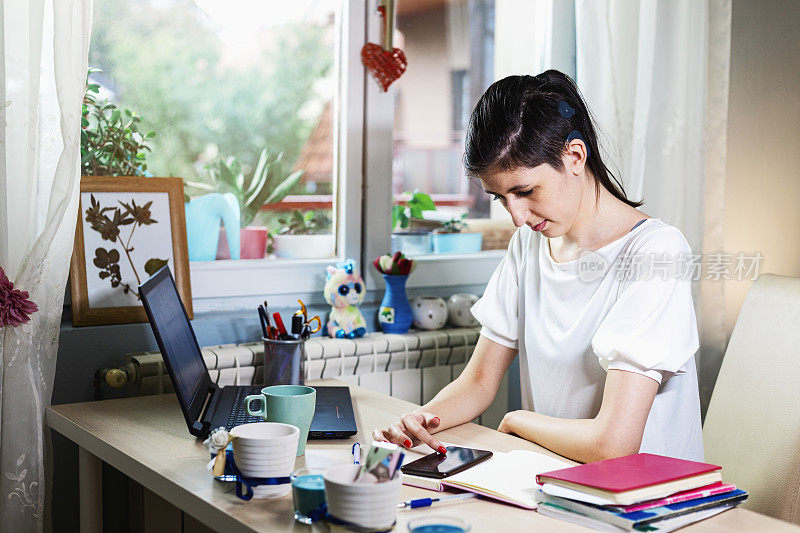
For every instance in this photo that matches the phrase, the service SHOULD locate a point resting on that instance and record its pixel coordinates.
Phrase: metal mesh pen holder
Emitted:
(284, 362)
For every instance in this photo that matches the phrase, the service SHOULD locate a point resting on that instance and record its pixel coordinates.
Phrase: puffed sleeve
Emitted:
(497, 311)
(651, 329)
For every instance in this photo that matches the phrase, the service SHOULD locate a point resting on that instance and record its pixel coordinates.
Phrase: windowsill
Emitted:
(238, 284)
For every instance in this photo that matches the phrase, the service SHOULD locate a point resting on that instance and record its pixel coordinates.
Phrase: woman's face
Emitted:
(545, 199)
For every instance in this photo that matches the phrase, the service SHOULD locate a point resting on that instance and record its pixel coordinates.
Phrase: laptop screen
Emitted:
(174, 334)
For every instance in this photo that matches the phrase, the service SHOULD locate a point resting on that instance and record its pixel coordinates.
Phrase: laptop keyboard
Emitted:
(239, 414)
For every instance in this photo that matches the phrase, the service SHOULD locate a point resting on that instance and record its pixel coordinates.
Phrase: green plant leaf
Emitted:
(227, 178)
(238, 174)
(281, 191)
(259, 175)
(154, 264)
(199, 185)
(422, 201)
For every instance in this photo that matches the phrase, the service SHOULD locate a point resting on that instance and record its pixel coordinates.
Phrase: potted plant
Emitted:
(452, 239)
(410, 241)
(303, 236)
(111, 141)
(266, 185)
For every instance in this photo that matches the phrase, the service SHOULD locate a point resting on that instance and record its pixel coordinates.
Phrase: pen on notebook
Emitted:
(427, 502)
(357, 453)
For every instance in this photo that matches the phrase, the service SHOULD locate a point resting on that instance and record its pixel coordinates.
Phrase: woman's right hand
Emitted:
(412, 430)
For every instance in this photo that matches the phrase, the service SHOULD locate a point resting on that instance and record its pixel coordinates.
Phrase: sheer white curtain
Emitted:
(44, 60)
(655, 74)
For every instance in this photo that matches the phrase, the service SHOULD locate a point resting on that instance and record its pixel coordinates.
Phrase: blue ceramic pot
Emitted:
(203, 215)
(394, 314)
(457, 243)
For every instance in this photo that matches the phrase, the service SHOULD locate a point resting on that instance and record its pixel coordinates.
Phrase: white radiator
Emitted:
(412, 366)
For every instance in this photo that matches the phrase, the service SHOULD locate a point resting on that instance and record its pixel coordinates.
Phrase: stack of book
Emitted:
(642, 492)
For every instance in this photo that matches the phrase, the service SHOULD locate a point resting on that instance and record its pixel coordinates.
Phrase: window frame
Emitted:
(451, 270)
(235, 284)
(363, 157)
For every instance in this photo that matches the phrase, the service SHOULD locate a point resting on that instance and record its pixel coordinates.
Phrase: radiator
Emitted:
(413, 366)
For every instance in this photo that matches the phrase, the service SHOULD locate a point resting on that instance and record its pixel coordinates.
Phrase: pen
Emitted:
(357, 453)
(262, 317)
(266, 314)
(426, 502)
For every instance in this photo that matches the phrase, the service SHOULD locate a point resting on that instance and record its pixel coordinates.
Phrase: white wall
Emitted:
(762, 190)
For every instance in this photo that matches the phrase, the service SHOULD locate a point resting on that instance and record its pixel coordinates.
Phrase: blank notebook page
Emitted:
(510, 477)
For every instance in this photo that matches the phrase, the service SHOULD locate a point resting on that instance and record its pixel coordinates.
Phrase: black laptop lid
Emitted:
(177, 343)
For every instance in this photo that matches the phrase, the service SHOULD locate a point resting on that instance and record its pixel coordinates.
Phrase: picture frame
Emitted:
(128, 228)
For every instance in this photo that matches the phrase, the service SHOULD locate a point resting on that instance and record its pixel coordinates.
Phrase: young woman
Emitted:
(606, 341)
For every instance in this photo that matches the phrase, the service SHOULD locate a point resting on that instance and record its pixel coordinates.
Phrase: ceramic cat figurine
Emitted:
(344, 291)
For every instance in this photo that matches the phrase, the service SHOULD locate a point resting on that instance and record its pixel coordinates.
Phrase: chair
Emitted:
(752, 428)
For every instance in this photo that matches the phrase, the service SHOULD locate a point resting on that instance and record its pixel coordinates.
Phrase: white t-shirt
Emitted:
(626, 306)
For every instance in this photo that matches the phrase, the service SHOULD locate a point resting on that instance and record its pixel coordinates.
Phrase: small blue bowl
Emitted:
(438, 524)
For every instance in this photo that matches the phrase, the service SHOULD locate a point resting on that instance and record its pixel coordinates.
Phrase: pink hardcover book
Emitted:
(701, 492)
(627, 473)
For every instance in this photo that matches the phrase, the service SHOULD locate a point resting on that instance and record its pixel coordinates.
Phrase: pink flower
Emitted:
(14, 304)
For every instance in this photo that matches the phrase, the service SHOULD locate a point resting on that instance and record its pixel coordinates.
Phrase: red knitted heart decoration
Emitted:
(384, 65)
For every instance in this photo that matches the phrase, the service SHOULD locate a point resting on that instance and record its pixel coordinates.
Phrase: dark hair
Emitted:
(522, 122)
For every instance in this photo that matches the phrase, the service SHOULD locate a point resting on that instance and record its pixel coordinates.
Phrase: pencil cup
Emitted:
(284, 362)
(367, 505)
(266, 449)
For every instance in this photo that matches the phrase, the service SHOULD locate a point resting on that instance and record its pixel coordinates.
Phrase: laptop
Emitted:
(205, 405)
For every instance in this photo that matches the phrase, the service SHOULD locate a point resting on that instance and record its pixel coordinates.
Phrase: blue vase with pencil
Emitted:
(394, 313)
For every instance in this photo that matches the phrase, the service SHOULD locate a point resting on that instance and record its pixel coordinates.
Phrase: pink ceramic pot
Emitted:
(254, 242)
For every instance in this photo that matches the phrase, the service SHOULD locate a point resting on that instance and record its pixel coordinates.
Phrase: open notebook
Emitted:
(508, 477)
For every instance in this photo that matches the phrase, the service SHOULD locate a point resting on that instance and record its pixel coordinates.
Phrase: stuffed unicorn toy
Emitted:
(344, 290)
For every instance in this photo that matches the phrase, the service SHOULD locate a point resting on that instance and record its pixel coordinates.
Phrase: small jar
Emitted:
(430, 312)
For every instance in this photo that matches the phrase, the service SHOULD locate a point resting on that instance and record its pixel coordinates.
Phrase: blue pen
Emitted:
(357, 453)
(427, 502)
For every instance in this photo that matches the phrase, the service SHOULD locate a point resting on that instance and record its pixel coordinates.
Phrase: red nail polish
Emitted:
(407, 443)
(438, 421)
(442, 450)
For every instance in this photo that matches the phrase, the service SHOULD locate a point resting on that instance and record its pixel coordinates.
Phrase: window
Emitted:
(450, 45)
(221, 81)
(206, 76)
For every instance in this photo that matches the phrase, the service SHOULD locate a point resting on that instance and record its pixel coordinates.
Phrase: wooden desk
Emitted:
(146, 439)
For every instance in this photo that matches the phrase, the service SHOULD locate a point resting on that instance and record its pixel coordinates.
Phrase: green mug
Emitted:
(289, 404)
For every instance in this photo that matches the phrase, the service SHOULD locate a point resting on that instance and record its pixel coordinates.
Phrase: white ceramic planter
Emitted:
(266, 449)
(372, 506)
(303, 246)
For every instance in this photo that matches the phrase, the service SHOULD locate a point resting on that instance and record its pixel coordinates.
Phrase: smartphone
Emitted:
(437, 465)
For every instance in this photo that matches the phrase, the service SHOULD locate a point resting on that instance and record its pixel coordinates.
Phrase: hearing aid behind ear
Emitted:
(567, 111)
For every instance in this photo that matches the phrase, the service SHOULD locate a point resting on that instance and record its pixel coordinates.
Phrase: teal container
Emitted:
(203, 216)
(308, 494)
(412, 243)
(457, 243)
